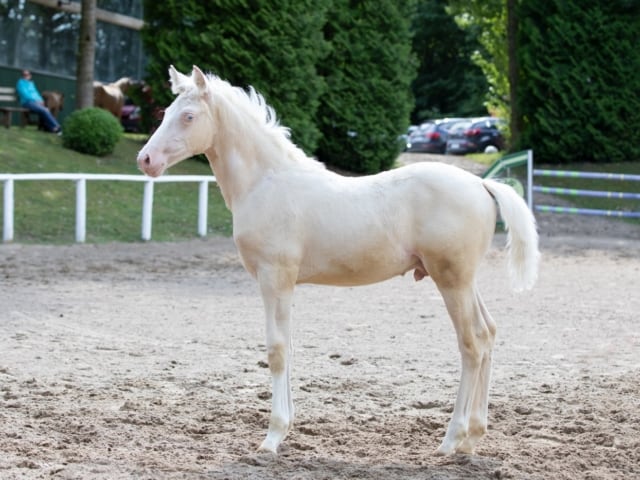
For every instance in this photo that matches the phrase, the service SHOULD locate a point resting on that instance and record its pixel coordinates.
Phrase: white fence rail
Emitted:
(81, 179)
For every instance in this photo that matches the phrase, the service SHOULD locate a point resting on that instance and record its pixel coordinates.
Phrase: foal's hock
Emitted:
(296, 222)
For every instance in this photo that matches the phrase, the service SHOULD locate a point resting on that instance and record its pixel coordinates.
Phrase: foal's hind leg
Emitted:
(475, 341)
(480, 403)
(277, 294)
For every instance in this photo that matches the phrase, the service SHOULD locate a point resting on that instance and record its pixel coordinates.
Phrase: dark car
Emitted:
(404, 138)
(431, 137)
(477, 135)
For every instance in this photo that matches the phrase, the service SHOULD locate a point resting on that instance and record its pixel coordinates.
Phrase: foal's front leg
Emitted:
(277, 295)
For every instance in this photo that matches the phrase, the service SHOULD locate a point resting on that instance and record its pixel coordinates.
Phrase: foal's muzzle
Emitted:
(146, 165)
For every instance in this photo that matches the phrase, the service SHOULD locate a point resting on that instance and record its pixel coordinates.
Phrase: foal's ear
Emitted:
(177, 80)
(199, 78)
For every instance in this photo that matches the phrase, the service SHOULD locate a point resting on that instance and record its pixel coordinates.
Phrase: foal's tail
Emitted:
(522, 239)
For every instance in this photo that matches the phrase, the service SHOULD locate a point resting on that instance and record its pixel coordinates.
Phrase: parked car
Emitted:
(477, 135)
(404, 138)
(431, 137)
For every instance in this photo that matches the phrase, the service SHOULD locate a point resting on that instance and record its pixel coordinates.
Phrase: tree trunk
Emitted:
(515, 120)
(86, 55)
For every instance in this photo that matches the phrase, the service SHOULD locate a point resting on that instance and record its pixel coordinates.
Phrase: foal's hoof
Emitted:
(268, 447)
(440, 452)
(445, 450)
(467, 447)
(258, 459)
(464, 447)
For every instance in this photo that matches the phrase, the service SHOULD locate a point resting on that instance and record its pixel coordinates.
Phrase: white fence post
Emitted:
(203, 202)
(7, 225)
(81, 179)
(147, 210)
(81, 210)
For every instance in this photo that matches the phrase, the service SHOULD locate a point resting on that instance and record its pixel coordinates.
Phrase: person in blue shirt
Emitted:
(30, 98)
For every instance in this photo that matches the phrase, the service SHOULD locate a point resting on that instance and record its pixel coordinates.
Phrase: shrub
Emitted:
(368, 74)
(579, 100)
(93, 131)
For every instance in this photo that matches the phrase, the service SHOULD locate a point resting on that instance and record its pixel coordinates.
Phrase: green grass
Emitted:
(485, 158)
(45, 210)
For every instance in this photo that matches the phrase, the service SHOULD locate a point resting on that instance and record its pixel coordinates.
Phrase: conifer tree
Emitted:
(368, 73)
(579, 64)
(448, 82)
(273, 46)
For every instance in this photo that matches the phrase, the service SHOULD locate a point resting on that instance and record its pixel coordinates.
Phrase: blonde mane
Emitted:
(234, 105)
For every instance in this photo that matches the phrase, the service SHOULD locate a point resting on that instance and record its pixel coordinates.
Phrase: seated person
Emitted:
(31, 99)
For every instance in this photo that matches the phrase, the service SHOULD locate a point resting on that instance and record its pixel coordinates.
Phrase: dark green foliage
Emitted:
(357, 98)
(448, 84)
(273, 46)
(579, 63)
(93, 131)
(368, 74)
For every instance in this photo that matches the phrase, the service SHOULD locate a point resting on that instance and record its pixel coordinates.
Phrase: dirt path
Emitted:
(146, 361)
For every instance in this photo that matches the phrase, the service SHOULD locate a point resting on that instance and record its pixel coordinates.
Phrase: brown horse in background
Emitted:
(54, 101)
(110, 96)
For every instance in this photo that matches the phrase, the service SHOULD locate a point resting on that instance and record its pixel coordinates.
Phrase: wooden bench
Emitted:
(9, 105)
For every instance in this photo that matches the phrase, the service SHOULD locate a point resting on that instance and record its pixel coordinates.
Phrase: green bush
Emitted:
(93, 131)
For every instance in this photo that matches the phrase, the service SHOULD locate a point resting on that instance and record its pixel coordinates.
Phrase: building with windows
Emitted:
(42, 36)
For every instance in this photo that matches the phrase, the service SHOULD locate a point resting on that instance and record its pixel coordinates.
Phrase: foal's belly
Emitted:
(361, 269)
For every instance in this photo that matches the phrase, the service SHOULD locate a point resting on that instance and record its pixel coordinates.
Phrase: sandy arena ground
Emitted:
(147, 361)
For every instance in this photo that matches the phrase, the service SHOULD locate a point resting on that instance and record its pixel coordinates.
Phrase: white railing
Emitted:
(81, 179)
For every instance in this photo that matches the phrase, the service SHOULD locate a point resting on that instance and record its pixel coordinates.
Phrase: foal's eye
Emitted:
(188, 117)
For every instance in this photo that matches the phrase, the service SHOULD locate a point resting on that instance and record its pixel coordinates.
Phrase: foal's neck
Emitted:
(247, 148)
(235, 175)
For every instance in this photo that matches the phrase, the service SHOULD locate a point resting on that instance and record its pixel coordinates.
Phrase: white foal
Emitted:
(295, 222)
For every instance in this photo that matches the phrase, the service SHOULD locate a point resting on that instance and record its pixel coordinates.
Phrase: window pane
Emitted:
(46, 40)
(132, 8)
(118, 53)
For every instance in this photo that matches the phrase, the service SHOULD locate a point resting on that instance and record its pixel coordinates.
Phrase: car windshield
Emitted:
(447, 124)
(422, 129)
(459, 127)
(489, 123)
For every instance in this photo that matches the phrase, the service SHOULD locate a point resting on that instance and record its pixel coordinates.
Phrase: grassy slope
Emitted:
(45, 211)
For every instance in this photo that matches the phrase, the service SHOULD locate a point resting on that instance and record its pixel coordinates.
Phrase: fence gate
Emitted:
(587, 193)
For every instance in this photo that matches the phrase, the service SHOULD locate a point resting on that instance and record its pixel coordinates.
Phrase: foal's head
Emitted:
(187, 126)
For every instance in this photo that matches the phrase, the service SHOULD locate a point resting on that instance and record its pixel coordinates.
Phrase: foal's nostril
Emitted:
(146, 160)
